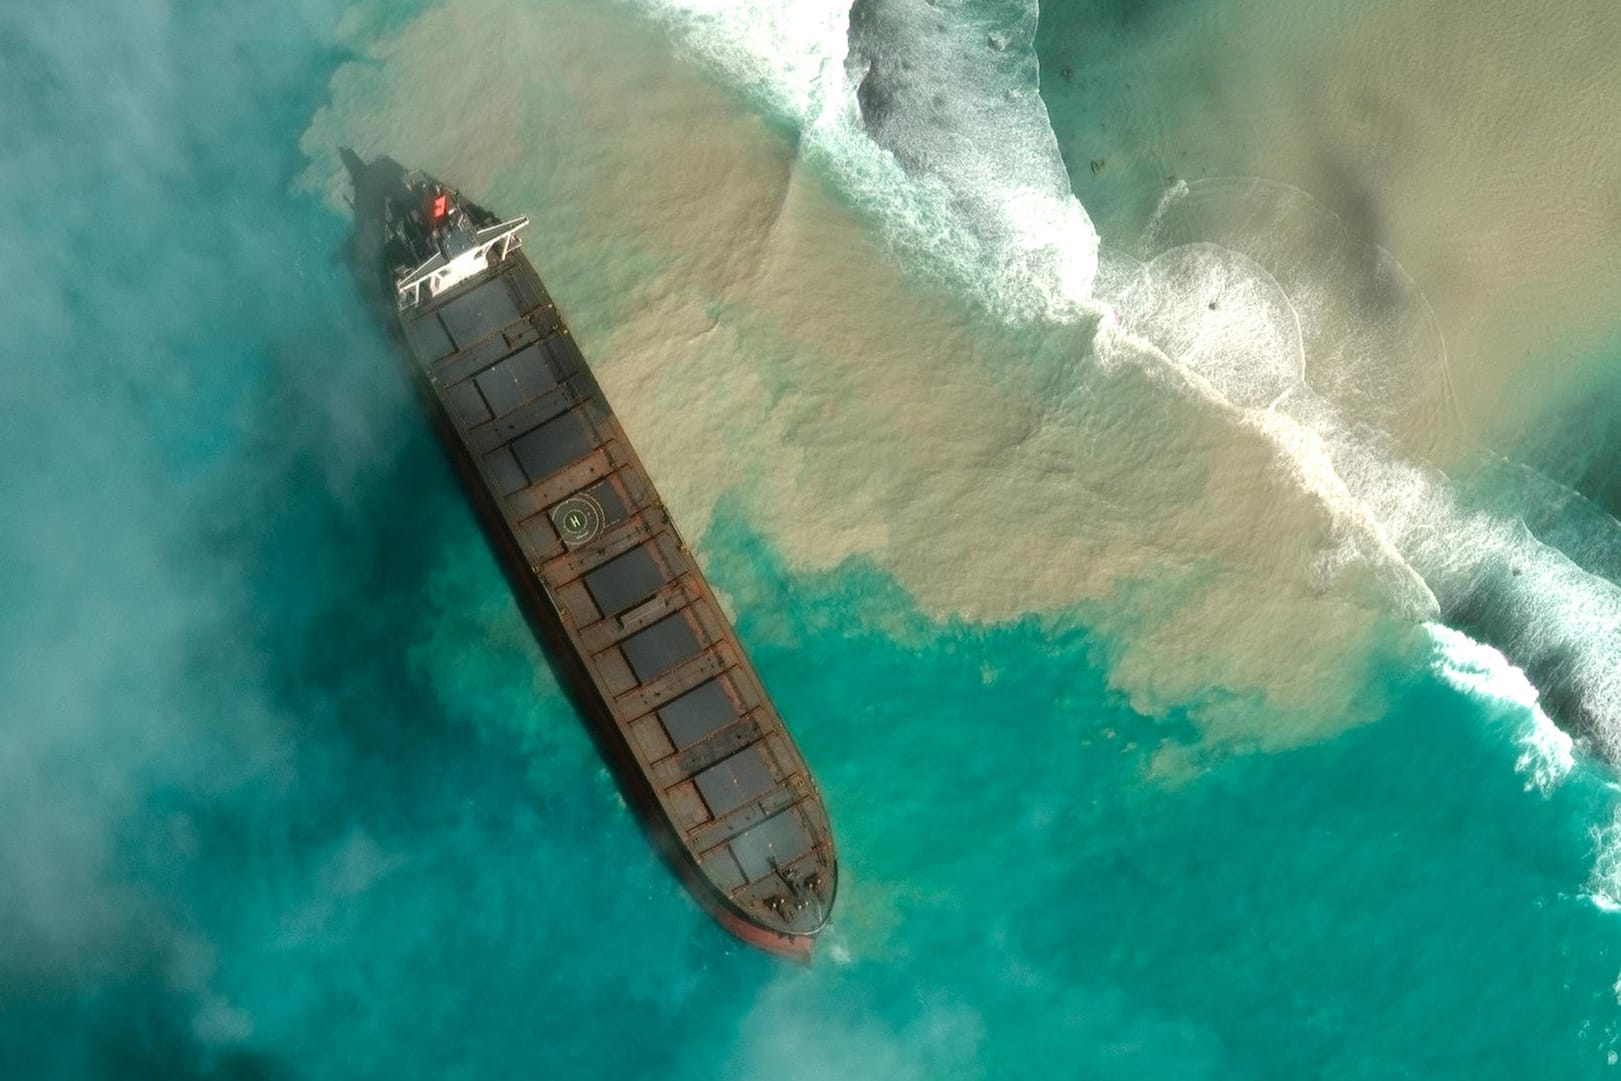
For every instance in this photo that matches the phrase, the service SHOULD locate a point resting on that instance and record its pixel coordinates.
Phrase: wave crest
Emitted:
(931, 122)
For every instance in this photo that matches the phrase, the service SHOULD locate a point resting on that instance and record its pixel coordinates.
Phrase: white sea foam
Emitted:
(1371, 382)
(1604, 882)
(760, 345)
(788, 55)
(930, 121)
(1547, 753)
(1235, 497)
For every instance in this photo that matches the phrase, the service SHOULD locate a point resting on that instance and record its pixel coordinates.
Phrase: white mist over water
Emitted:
(292, 795)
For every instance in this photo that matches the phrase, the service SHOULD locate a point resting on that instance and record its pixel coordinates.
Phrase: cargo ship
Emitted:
(603, 577)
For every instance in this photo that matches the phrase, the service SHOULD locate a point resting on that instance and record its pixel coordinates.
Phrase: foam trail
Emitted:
(1554, 513)
(955, 100)
(930, 121)
(1308, 356)
(1552, 618)
(1223, 485)
(1315, 339)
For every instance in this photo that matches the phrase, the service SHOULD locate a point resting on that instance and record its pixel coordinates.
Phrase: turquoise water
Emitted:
(290, 793)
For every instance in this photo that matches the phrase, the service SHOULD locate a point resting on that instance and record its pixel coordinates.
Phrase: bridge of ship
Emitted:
(583, 511)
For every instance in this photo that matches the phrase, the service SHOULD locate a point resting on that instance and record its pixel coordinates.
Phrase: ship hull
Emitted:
(575, 679)
(625, 616)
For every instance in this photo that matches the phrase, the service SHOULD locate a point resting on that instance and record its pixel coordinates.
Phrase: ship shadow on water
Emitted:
(375, 185)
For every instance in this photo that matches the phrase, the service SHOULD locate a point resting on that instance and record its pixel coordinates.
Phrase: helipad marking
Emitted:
(578, 519)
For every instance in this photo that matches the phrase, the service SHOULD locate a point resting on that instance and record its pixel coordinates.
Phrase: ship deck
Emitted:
(681, 709)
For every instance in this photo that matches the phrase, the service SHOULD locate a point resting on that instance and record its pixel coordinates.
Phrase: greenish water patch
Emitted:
(1581, 449)
(1110, 106)
(1332, 910)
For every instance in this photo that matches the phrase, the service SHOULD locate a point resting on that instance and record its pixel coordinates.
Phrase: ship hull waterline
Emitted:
(624, 615)
(577, 685)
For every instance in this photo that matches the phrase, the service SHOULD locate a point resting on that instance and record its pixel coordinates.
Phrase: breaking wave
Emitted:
(1235, 478)
(931, 121)
(1318, 339)
(1546, 752)
(1282, 310)
(1604, 883)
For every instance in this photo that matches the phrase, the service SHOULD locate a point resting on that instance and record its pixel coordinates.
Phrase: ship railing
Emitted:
(438, 273)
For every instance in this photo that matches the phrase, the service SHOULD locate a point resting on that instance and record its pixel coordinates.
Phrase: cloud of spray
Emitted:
(825, 1024)
(204, 632)
(112, 590)
(253, 800)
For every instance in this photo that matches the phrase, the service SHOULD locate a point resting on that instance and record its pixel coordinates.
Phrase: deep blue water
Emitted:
(290, 793)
